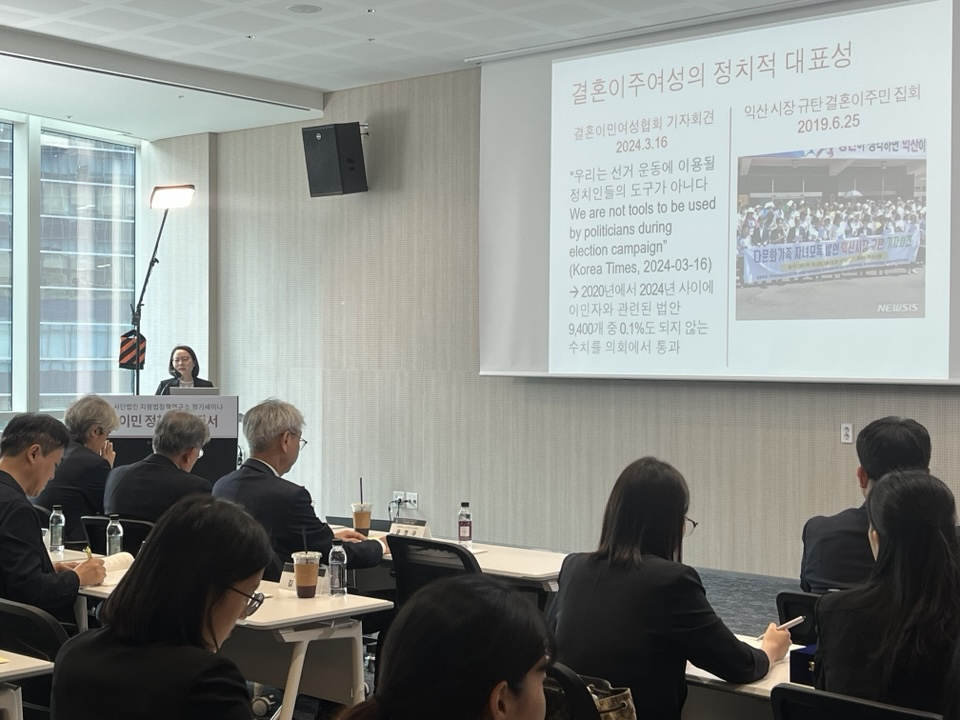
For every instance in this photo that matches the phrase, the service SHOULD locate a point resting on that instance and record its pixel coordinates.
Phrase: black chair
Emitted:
(134, 533)
(567, 695)
(378, 525)
(418, 562)
(30, 631)
(44, 515)
(794, 702)
(793, 603)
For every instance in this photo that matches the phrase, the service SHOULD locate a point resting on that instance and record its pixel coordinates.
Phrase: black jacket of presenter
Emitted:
(639, 626)
(285, 510)
(164, 387)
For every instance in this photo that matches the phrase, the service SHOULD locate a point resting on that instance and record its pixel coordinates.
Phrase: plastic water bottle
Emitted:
(465, 525)
(114, 535)
(56, 529)
(338, 568)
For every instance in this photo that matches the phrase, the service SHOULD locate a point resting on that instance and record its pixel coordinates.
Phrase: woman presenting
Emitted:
(185, 370)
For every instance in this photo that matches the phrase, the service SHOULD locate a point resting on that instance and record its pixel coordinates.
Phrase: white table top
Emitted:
(284, 609)
(779, 673)
(19, 667)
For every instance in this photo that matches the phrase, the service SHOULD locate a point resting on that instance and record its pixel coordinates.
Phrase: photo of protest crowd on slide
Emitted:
(836, 235)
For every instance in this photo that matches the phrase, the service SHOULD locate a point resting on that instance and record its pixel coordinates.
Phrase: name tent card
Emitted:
(411, 527)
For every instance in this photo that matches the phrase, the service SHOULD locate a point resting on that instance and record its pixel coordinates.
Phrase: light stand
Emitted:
(165, 197)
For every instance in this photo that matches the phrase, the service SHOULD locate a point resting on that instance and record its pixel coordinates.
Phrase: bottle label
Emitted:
(465, 528)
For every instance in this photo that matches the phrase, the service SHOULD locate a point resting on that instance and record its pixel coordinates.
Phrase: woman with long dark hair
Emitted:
(467, 647)
(156, 656)
(892, 639)
(634, 614)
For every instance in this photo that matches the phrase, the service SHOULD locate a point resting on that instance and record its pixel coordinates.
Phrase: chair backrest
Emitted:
(568, 696)
(134, 533)
(30, 631)
(795, 702)
(44, 515)
(378, 525)
(95, 526)
(793, 603)
(418, 562)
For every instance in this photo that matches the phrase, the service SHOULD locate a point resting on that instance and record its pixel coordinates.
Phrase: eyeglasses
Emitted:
(303, 443)
(690, 526)
(178, 360)
(253, 601)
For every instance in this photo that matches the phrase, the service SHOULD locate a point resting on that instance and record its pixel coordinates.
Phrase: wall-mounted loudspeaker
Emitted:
(334, 157)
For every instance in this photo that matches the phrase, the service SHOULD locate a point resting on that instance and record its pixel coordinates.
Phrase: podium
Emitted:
(139, 415)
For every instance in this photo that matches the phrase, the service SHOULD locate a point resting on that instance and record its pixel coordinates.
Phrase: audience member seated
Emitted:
(274, 432)
(466, 647)
(145, 490)
(156, 656)
(30, 448)
(836, 552)
(79, 480)
(634, 614)
(892, 640)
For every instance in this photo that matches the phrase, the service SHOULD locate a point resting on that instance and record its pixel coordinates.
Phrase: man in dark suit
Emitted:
(78, 484)
(274, 432)
(145, 489)
(30, 448)
(836, 551)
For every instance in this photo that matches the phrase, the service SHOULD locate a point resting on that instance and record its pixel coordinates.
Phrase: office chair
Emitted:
(44, 515)
(567, 695)
(793, 603)
(134, 533)
(418, 562)
(794, 702)
(30, 631)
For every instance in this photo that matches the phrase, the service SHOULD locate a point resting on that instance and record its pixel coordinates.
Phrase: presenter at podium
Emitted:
(185, 370)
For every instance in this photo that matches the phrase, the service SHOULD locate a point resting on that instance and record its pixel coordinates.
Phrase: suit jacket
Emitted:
(284, 509)
(164, 387)
(26, 572)
(638, 627)
(78, 486)
(146, 489)
(836, 551)
(99, 676)
(848, 624)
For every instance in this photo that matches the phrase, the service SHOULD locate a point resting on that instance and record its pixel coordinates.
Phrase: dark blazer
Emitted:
(836, 551)
(849, 624)
(638, 627)
(145, 489)
(78, 486)
(284, 508)
(164, 387)
(98, 676)
(26, 572)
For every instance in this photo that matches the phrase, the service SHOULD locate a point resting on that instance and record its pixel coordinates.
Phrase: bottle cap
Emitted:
(114, 516)
(338, 541)
(464, 504)
(58, 507)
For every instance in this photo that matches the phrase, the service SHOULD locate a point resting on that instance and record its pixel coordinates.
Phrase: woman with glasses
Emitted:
(156, 656)
(185, 369)
(632, 613)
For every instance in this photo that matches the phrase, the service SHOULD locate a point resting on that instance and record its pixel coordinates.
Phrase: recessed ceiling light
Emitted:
(371, 10)
(251, 37)
(304, 9)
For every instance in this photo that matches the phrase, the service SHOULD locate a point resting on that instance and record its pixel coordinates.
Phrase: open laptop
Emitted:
(195, 391)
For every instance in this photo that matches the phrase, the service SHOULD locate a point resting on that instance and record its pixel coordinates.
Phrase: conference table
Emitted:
(710, 697)
(14, 668)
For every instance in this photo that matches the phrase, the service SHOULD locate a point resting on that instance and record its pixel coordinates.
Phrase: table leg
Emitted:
(80, 612)
(292, 687)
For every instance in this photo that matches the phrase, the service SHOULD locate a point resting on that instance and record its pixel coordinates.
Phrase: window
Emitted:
(6, 261)
(87, 274)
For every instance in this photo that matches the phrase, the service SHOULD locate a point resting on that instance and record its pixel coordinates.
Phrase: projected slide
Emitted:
(763, 204)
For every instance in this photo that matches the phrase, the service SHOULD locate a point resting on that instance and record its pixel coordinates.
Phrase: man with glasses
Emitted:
(274, 432)
(145, 489)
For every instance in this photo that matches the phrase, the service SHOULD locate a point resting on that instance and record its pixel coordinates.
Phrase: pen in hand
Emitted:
(789, 624)
(89, 554)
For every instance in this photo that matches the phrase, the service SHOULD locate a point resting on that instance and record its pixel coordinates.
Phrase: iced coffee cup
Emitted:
(306, 567)
(361, 517)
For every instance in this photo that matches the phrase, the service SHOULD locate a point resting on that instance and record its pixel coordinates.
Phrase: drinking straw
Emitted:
(303, 531)
(361, 488)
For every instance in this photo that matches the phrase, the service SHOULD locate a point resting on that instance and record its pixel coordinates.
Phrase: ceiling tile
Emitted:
(47, 7)
(428, 41)
(328, 10)
(563, 14)
(190, 37)
(306, 63)
(432, 12)
(311, 37)
(12, 18)
(245, 23)
(69, 30)
(252, 49)
(492, 28)
(369, 25)
(207, 60)
(142, 46)
(116, 19)
(173, 8)
(371, 53)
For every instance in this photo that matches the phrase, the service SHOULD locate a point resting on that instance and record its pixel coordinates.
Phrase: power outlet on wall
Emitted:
(846, 433)
(412, 500)
(399, 495)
